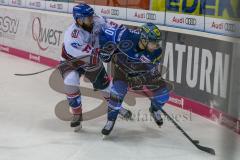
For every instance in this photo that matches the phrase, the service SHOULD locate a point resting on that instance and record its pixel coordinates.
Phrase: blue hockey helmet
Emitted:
(151, 37)
(82, 10)
(150, 32)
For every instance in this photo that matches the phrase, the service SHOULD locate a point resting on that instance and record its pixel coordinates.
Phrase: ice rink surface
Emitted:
(31, 131)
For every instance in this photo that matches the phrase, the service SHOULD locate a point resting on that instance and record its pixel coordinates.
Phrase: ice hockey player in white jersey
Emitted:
(81, 43)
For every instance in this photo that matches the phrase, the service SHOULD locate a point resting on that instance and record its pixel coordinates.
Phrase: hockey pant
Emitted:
(71, 77)
(119, 89)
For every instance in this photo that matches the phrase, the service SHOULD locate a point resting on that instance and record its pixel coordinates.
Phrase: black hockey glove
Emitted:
(137, 79)
(105, 56)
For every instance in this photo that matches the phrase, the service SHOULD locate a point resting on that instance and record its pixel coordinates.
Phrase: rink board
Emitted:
(38, 36)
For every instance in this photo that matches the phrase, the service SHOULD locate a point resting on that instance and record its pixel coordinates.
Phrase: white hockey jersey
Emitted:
(78, 42)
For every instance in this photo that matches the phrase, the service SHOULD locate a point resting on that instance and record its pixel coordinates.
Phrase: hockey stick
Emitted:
(29, 74)
(194, 142)
(50, 68)
(110, 47)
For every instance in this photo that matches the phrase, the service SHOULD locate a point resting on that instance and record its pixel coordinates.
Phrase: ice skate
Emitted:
(76, 122)
(156, 116)
(125, 114)
(107, 128)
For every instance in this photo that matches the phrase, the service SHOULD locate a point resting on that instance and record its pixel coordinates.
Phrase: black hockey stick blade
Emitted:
(30, 74)
(206, 149)
(194, 142)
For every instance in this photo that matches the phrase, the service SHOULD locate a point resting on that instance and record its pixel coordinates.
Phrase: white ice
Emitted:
(29, 129)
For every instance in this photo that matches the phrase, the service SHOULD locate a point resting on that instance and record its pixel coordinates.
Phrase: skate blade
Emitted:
(104, 137)
(159, 126)
(78, 128)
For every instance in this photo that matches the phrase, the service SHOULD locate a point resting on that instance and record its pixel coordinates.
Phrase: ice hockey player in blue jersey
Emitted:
(135, 55)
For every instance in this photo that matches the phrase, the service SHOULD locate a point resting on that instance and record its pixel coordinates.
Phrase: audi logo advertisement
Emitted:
(113, 12)
(151, 16)
(225, 27)
(185, 21)
(191, 21)
(230, 27)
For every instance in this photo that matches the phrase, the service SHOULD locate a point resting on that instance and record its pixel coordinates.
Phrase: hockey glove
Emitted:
(105, 56)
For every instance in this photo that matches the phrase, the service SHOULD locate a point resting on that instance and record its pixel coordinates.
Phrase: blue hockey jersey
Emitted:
(127, 41)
